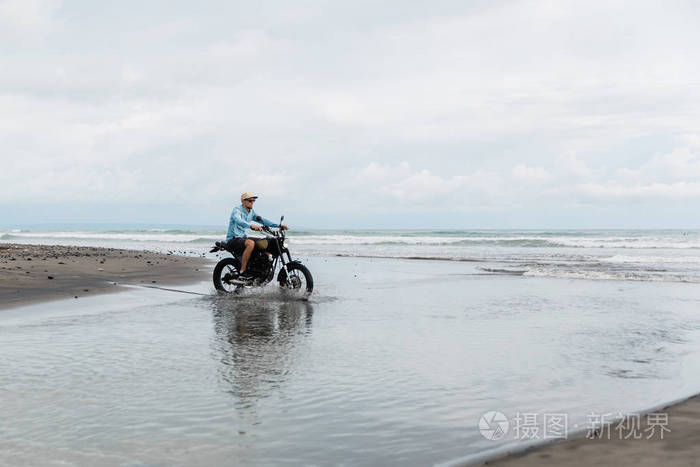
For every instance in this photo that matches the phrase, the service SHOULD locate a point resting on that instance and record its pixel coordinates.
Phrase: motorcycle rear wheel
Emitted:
(298, 283)
(224, 271)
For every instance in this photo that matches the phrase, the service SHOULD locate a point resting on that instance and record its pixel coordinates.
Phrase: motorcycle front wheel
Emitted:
(298, 282)
(225, 271)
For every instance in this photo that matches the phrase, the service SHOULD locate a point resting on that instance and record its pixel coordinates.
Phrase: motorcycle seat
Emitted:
(218, 246)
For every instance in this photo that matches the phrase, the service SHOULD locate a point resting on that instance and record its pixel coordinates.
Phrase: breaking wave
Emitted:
(504, 239)
(633, 255)
(644, 276)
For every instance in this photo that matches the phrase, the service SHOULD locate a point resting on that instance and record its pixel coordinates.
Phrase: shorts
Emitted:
(237, 245)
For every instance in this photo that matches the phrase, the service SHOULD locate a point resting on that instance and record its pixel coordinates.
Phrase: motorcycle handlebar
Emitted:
(268, 230)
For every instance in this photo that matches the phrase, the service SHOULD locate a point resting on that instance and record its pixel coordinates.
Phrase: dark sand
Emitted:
(679, 447)
(32, 273)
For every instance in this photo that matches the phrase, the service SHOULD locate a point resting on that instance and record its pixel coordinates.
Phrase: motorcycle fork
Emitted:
(283, 262)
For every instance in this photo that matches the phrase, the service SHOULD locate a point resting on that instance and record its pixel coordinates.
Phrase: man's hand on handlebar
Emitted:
(260, 228)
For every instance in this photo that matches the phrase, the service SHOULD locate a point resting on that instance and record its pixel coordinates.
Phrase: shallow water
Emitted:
(391, 361)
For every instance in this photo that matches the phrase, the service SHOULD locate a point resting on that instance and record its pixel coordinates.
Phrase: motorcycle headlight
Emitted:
(285, 244)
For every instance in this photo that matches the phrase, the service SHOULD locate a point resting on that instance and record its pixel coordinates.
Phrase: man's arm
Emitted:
(263, 221)
(237, 218)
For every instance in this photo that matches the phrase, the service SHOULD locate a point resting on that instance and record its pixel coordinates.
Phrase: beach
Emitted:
(642, 446)
(392, 360)
(32, 273)
(478, 222)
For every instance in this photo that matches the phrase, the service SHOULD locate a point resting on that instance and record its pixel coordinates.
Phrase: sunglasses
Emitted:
(252, 200)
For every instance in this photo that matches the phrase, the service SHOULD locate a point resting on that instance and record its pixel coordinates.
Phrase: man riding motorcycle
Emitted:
(241, 218)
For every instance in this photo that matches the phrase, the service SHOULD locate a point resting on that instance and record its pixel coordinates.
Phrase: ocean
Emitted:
(411, 342)
(638, 255)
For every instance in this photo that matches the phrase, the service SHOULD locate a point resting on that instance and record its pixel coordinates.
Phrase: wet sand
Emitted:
(679, 446)
(33, 273)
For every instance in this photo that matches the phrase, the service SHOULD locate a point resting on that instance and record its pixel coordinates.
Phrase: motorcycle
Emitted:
(269, 253)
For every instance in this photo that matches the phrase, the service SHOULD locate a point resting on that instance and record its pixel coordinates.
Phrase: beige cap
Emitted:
(247, 195)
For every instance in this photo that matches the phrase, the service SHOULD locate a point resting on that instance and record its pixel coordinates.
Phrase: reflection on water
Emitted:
(256, 343)
(389, 364)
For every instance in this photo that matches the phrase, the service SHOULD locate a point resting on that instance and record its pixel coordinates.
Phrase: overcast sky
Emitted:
(414, 114)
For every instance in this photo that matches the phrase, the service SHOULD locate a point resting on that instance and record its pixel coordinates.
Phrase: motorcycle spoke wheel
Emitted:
(224, 272)
(298, 282)
(230, 273)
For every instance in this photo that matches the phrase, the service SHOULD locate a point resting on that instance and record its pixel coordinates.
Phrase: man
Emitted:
(241, 219)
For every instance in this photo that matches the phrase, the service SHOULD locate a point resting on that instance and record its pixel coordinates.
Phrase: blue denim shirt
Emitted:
(240, 221)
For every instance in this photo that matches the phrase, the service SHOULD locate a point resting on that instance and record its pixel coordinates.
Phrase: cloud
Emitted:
(677, 190)
(533, 175)
(27, 21)
(691, 140)
(573, 166)
(403, 186)
(375, 172)
(478, 104)
(679, 164)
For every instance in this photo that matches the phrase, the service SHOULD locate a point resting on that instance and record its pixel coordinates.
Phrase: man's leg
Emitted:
(249, 245)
